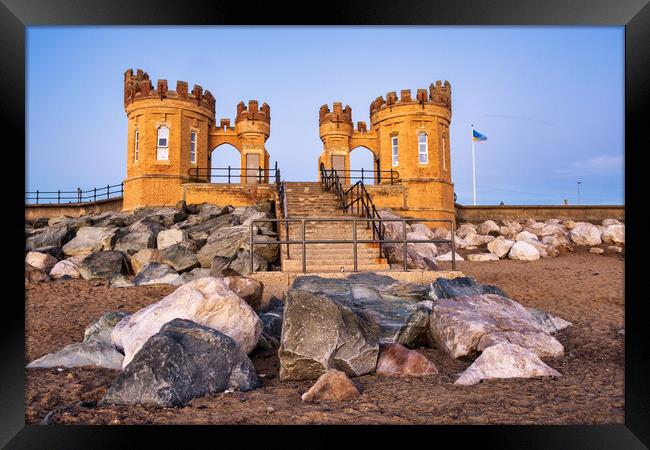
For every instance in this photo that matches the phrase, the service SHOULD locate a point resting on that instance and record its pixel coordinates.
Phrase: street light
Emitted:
(579, 182)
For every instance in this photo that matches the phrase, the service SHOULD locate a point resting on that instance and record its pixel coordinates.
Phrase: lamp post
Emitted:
(579, 182)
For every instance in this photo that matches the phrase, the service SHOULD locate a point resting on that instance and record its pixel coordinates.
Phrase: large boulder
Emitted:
(34, 275)
(505, 361)
(90, 240)
(220, 267)
(194, 274)
(146, 225)
(206, 301)
(42, 261)
(419, 255)
(102, 265)
(50, 237)
(547, 321)
(248, 289)
(488, 227)
(525, 236)
(395, 359)
(507, 232)
(500, 246)
(182, 361)
(144, 257)
(460, 287)
(523, 251)
(88, 353)
(482, 257)
(464, 325)
(319, 334)
(605, 222)
(466, 230)
(224, 242)
(241, 264)
(133, 242)
(614, 234)
(477, 240)
(68, 267)
(585, 234)
(513, 224)
(400, 309)
(333, 385)
(180, 256)
(157, 273)
(168, 216)
(197, 229)
(167, 238)
(552, 229)
(447, 257)
(268, 249)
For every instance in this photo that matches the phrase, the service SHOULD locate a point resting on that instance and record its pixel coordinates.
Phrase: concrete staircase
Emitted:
(309, 199)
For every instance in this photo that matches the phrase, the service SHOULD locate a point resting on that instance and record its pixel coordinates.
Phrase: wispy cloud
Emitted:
(598, 165)
(527, 119)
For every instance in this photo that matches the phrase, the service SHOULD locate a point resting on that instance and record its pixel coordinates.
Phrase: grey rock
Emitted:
(57, 252)
(100, 329)
(398, 308)
(146, 225)
(183, 361)
(319, 334)
(549, 322)
(224, 242)
(219, 267)
(157, 273)
(120, 281)
(89, 240)
(242, 263)
(202, 230)
(168, 216)
(194, 274)
(269, 249)
(102, 265)
(87, 353)
(50, 237)
(41, 222)
(35, 275)
(461, 287)
(135, 241)
(180, 256)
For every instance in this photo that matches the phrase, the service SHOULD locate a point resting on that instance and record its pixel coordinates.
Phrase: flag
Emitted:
(476, 136)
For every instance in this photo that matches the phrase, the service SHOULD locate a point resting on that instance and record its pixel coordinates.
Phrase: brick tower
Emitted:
(409, 135)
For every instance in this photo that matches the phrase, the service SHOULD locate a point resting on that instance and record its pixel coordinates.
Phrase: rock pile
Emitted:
(152, 245)
(527, 240)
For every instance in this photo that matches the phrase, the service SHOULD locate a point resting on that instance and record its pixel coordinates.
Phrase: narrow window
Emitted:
(444, 154)
(137, 144)
(394, 143)
(163, 143)
(423, 148)
(193, 147)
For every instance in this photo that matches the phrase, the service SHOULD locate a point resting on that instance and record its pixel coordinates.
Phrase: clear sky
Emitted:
(549, 99)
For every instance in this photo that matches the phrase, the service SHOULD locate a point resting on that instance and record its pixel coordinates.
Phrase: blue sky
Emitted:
(549, 99)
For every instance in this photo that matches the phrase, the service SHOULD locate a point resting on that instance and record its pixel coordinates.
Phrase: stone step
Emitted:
(335, 268)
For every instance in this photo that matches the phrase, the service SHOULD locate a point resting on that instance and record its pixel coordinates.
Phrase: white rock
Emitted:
(500, 247)
(586, 234)
(545, 251)
(487, 227)
(477, 240)
(507, 232)
(523, 251)
(512, 224)
(553, 221)
(535, 228)
(447, 257)
(41, 261)
(167, 238)
(557, 242)
(614, 234)
(423, 229)
(479, 257)
(552, 230)
(608, 222)
(69, 267)
(89, 240)
(596, 250)
(424, 249)
(465, 230)
(505, 361)
(525, 236)
(615, 249)
(206, 301)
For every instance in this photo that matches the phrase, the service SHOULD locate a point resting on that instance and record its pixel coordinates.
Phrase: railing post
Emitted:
(229, 175)
(108, 191)
(259, 174)
(304, 248)
(250, 240)
(361, 175)
(58, 196)
(404, 243)
(94, 194)
(78, 195)
(354, 240)
(37, 196)
(122, 188)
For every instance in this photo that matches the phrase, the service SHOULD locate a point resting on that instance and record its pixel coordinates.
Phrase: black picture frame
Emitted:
(16, 15)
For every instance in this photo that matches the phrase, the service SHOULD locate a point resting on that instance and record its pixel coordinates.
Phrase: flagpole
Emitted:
(473, 167)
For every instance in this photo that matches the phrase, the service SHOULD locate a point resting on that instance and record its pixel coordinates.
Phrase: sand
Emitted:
(584, 288)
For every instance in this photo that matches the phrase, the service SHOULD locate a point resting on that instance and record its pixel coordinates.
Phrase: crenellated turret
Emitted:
(438, 94)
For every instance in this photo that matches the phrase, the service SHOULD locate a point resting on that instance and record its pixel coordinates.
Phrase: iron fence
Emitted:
(354, 241)
(231, 173)
(74, 197)
(379, 176)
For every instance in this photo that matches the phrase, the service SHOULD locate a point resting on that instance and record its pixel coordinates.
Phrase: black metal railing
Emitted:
(355, 199)
(230, 173)
(74, 197)
(376, 176)
(303, 241)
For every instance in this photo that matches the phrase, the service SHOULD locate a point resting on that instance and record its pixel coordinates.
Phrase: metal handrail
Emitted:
(232, 172)
(347, 175)
(79, 196)
(354, 241)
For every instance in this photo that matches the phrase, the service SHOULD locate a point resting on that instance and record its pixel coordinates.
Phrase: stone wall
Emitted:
(585, 213)
(228, 194)
(72, 210)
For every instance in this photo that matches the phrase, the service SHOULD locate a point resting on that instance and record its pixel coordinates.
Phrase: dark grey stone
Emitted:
(102, 265)
(183, 361)
(154, 271)
(135, 241)
(180, 256)
(461, 287)
(51, 237)
(100, 329)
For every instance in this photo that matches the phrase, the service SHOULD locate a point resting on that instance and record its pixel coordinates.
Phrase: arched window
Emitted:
(193, 147)
(163, 143)
(423, 148)
(137, 145)
(395, 150)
